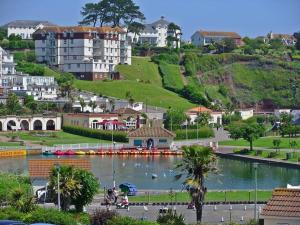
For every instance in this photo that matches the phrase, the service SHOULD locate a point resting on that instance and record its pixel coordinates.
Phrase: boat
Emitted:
(47, 153)
(91, 152)
(69, 152)
(80, 153)
(59, 152)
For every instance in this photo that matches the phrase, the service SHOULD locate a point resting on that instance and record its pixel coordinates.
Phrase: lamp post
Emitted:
(57, 167)
(255, 165)
(113, 149)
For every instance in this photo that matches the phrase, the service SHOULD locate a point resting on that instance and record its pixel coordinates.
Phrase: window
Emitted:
(43, 49)
(74, 57)
(72, 41)
(69, 66)
(89, 49)
(65, 57)
(65, 49)
(78, 65)
(65, 42)
(72, 49)
(111, 50)
(162, 140)
(43, 41)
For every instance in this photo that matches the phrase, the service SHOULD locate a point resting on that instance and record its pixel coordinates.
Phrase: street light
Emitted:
(57, 167)
(255, 165)
(113, 166)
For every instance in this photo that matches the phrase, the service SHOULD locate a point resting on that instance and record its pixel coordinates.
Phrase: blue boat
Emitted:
(128, 188)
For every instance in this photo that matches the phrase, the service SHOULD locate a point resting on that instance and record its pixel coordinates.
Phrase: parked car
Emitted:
(11, 222)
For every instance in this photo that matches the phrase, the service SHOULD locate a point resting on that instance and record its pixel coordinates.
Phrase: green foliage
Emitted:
(14, 42)
(102, 216)
(171, 58)
(128, 221)
(12, 104)
(21, 200)
(170, 218)
(276, 143)
(203, 132)
(174, 119)
(195, 94)
(28, 56)
(119, 136)
(31, 68)
(3, 33)
(171, 77)
(89, 187)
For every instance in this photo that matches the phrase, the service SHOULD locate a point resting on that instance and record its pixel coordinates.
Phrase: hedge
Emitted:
(119, 136)
(203, 132)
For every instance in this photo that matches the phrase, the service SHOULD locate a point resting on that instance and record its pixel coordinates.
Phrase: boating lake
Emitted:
(233, 174)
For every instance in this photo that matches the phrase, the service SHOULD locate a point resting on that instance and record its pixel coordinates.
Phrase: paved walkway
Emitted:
(211, 214)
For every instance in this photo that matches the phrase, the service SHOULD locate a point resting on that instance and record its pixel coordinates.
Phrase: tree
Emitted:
(12, 104)
(293, 145)
(170, 218)
(228, 45)
(249, 132)
(89, 186)
(276, 144)
(93, 105)
(173, 30)
(136, 28)
(203, 118)
(82, 103)
(69, 186)
(196, 163)
(174, 119)
(286, 124)
(276, 43)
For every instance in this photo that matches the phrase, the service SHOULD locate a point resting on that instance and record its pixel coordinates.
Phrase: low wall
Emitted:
(12, 153)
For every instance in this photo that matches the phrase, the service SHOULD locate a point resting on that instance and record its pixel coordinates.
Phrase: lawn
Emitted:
(150, 93)
(56, 138)
(141, 69)
(171, 76)
(266, 142)
(6, 144)
(211, 196)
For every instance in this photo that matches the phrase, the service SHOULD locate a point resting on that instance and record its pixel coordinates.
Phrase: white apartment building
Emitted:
(25, 28)
(7, 65)
(156, 34)
(40, 87)
(91, 53)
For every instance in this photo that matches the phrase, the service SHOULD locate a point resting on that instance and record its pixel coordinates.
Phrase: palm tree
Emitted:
(82, 103)
(93, 105)
(197, 162)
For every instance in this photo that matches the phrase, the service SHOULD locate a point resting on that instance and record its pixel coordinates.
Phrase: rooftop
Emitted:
(80, 29)
(284, 203)
(126, 111)
(199, 109)
(219, 34)
(28, 23)
(151, 132)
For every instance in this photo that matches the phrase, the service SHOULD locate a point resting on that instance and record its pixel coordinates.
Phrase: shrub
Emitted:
(101, 216)
(203, 132)
(119, 136)
(52, 216)
(273, 154)
(31, 68)
(128, 221)
(171, 218)
(172, 58)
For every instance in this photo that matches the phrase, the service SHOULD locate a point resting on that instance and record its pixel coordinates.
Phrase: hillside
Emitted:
(152, 94)
(245, 80)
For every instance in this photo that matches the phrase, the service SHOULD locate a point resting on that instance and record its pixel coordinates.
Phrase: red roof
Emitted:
(284, 203)
(151, 132)
(199, 109)
(219, 34)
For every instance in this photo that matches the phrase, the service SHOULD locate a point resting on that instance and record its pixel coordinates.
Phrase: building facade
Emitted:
(30, 123)
(246, 113)
(286, 39)
(91, 53)
(205, 38)
(40, 87)
(193, 113)
(7, 65)
(156, 34)
(25, 28)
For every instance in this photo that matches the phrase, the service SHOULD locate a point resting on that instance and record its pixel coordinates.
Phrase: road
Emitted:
(211, 215)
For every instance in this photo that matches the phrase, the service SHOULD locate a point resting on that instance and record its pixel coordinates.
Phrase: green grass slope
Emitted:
(150, 93)
(141, 69)
(172, 79)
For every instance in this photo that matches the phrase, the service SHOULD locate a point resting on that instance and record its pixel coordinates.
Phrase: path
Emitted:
(210, 215)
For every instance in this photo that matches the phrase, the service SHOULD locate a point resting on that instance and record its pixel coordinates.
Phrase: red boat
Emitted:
(69, 152)
(59, 152)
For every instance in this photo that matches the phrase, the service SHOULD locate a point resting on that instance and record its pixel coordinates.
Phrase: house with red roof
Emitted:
(193, 113)
(204, 38)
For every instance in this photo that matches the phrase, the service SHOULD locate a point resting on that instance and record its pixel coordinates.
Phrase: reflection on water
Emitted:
(233, 174)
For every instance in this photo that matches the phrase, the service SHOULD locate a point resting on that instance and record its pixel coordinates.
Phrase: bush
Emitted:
(31, 68)
(119, 136)
(170, 218)
(101, 216)
(203, 132)
(128, 221)
(172, 58)
(52, 216)
(273, 154)
(28, 56)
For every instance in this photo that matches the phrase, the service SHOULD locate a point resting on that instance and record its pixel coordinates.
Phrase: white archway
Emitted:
(37, 125)
(11, 125)
(24, 125)
(50, 125)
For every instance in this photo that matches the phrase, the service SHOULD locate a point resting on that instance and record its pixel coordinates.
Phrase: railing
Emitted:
(85, 146)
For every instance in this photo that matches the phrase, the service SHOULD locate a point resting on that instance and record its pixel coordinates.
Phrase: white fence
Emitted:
(85, 146)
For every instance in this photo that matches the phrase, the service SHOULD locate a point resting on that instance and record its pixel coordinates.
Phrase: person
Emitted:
(125, 200)
(116, 195)
(108, 198)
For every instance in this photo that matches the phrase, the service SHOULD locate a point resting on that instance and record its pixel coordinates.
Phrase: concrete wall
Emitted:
(285, 221)
(157, 143)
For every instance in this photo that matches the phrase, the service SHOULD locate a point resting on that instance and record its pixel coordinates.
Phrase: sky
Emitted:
(247, 17)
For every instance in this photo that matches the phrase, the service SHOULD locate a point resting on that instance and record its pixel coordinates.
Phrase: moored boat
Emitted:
(69, 152)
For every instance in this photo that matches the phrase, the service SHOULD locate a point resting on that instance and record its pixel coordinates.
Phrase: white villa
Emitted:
(193, 113)
(91, 53)
(25, 28)
(156, 34)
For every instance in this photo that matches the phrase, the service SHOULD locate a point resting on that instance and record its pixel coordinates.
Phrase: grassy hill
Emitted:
(152, 94)
(141, 69)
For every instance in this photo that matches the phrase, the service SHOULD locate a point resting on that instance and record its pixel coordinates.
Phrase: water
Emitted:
(233, 174)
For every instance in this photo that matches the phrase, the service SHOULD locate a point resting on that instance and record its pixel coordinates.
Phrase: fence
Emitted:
(85, 146)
